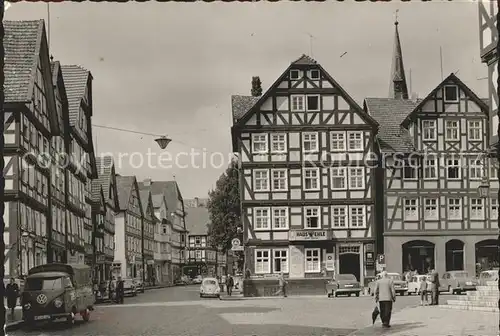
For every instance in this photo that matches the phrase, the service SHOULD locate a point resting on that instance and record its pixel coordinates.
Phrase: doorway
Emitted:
(418, 255)
(349, 264)
(454, 255)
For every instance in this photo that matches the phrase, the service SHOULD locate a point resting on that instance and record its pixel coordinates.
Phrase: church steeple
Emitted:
(397, 87)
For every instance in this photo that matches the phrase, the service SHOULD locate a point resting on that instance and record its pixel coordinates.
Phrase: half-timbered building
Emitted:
(434, 156)
(128, 229)
(163, 249)
(105, 204)
(149, 222)
(175, 216)
(30, 123)
(82, 167)
(57, 234)
(306, 184)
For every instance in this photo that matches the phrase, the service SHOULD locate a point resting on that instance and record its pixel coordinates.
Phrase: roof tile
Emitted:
(197, 220)
(305, 60)
(241, 105)
(75, 81)
(22, 48)
(124, 186)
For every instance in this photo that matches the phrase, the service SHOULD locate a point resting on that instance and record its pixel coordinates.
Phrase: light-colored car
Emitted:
(487, 276)
(210, 288)
(400, 285)
(457, 282)
(139, 285)
(198, 280)
(414, 284)
(343, 284)
(129, 288)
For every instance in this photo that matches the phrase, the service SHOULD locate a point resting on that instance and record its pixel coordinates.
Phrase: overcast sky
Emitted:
(171, 68)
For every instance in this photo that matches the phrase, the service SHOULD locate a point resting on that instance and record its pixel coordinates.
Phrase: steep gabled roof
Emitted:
(76, 80)
(197, 220)
(124, 185)
(145, 196)
(105, 177)
(389, 113)
(241, 104)
(22, 43)
(304, 60)
(399, 91)
(452, 78)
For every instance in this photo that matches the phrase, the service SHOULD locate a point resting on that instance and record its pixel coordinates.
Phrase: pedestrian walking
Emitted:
(434, 287)
(385, 296)
(229, 285)
(423, 291)
(120, 290)
(12, 293)
(282, 285)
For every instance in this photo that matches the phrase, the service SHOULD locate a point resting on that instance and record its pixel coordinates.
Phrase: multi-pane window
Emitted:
(430, 168)
(453, 169)
(262, 262)
(314, 74)
(475, 169)
(311, 178)
(429, 132)
(339, 178)
(355, 141)
(357, 178)
(411, 209)
(279, 179)
(298, 103)
(475, 130)
(431, 209)
(280, 218)
(309, 142)
(313, 261)
(493, 208)
(280, 261)
(339, 217)
(452, 130)
(259, 143)
(476, 208)
(410, 170)
(294, 74)
(311, 215)
(493, 170)
(261, 218)
(338, 142)
(261, 180)
(357, 216)
(278, 143)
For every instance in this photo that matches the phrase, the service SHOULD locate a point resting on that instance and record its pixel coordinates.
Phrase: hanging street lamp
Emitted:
(484, 188)
(163, 141)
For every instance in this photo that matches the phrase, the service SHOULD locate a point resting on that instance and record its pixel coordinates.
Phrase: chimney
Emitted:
(147, 182)
(196, 202)
(256, 86)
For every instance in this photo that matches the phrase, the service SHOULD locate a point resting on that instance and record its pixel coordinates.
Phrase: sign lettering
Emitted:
(308, 235)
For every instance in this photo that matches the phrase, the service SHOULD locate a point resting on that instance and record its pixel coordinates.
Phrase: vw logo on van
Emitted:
(41, 299)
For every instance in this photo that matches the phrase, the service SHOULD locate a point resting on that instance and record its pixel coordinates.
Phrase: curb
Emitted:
(14, 325)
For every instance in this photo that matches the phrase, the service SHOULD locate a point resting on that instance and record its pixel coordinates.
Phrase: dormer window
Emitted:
(314, 74)
(451, 93)
(294, 74)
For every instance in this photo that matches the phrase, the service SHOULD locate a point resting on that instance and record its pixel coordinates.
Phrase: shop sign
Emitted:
(297, 235)
(151, 262)
(369, 259)
(101, 259)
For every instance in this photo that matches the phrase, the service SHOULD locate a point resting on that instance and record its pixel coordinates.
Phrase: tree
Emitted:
(256, 86)
(224, 208)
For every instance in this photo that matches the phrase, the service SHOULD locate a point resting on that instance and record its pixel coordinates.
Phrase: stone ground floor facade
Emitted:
(472, 253)
(312, 259)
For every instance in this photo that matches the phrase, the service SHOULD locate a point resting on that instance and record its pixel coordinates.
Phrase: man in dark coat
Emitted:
(120, 290)
(385, 295)
(229, 285)
(12, 293)
(434, 288)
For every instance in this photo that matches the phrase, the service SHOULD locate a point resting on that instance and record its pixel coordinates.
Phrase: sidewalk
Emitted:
(435, 321)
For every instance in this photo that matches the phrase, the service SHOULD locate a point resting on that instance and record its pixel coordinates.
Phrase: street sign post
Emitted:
(236, 245)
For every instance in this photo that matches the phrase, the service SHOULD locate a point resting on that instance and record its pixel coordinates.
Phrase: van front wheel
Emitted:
(86, 315)
(70, 320)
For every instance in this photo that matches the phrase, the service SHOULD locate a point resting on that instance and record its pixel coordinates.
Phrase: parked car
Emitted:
(343, 284)
(198, 280)
(139, 285)
(400, 285)
(183, 281)
(210, 287)
(414, 284)
(129, 287)
(486, 276)
(457, 282)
